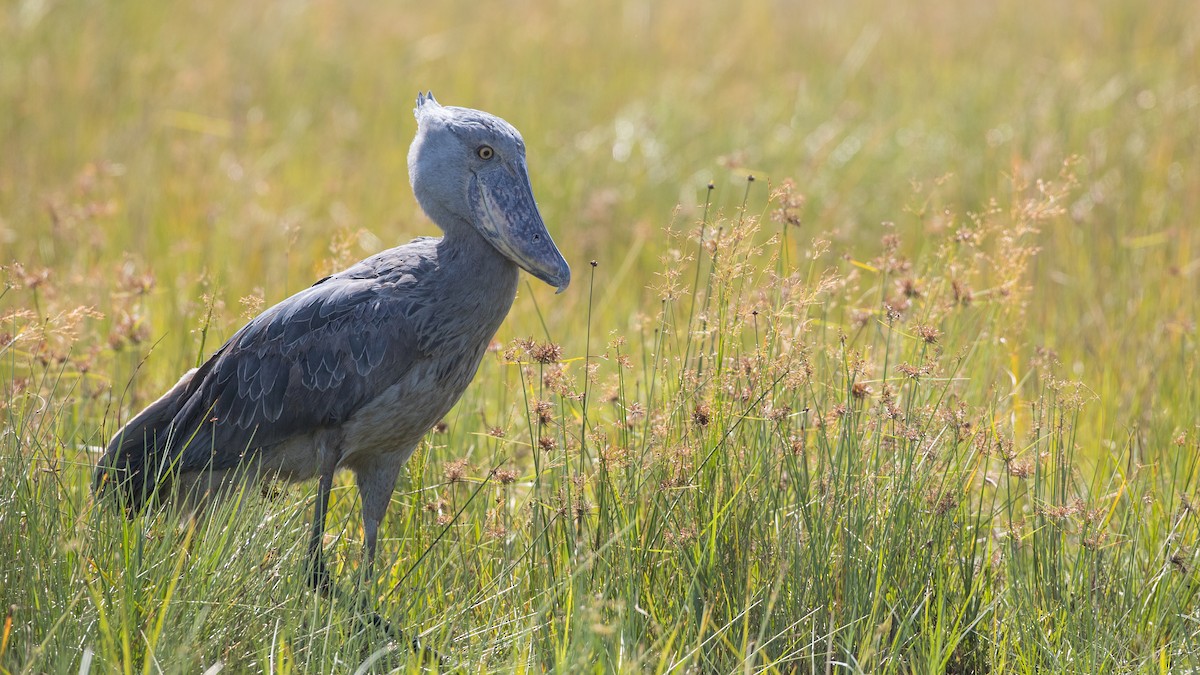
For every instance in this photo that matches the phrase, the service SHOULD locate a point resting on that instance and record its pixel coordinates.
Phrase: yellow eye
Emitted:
(485, 152)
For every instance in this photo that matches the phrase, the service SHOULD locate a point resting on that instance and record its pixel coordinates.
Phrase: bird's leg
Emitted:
(376, 480)
(318, 573)
(371, 532)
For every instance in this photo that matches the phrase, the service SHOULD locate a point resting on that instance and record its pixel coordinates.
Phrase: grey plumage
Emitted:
(353, 371)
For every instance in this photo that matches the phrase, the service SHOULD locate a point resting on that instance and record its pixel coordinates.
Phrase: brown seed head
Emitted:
(945, 504)
(1021, 469)
(891, 242)
(928, 333)
(546, 353)
(455, 471)
(791, 203)
(505, 476)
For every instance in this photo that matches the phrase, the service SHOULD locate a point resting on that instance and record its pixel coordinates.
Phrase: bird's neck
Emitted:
(471, 258)
(475, 288)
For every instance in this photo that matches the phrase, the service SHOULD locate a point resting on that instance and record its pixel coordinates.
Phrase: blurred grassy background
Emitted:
(255, 145)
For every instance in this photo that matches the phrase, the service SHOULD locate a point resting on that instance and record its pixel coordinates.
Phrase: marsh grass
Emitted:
(798, 463)
(928, 406)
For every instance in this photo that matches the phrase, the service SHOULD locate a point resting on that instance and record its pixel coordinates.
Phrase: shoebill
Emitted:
(351, 372)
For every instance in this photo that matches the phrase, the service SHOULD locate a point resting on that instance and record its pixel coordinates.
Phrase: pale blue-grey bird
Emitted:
(353, 371)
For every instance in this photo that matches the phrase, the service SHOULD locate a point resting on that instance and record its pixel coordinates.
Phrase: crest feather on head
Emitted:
(425, 103)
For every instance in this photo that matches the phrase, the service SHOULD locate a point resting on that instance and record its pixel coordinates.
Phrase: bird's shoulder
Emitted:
(407, 263)
(388, 291)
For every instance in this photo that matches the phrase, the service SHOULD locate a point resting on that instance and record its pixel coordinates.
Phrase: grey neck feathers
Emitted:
(484, 276)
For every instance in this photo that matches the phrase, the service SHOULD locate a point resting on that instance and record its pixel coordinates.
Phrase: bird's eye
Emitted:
(485, 152)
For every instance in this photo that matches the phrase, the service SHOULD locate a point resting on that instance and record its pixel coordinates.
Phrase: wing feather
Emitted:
(309, 362)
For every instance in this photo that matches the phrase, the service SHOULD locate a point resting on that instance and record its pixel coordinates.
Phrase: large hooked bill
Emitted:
(502, 200)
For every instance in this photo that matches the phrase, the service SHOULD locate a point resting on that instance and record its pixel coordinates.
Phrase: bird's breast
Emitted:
(396, 420)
